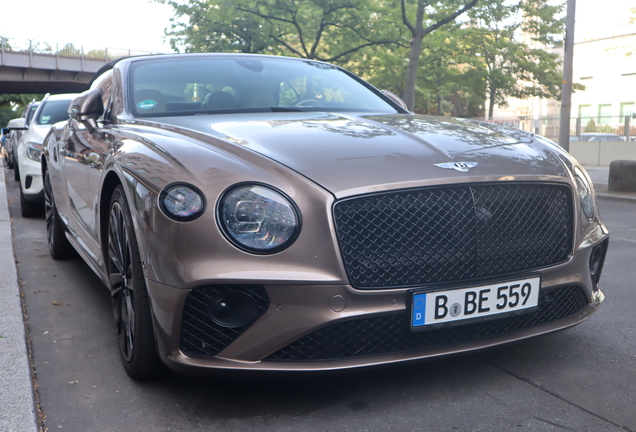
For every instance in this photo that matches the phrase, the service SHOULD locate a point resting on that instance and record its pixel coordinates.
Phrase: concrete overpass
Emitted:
(26, 71)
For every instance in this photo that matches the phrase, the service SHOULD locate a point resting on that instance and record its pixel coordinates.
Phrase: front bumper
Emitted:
(302, 320)
(30, 177)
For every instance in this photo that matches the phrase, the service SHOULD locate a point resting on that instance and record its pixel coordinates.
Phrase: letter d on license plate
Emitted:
(466, 303)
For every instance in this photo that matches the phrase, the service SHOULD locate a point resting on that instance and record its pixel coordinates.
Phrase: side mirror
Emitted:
(86, 109)
(395, 98)
(17, 124)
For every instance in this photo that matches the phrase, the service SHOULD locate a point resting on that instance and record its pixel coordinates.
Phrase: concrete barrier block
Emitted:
(622, 176)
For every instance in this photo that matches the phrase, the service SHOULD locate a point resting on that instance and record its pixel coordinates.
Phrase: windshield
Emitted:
(53, 112)
(188, 86)
(29, 114)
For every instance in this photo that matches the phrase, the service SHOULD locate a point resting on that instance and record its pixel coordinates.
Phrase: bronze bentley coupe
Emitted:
(257, 212)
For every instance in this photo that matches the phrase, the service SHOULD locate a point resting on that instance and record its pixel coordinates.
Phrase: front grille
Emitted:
(421, 236)
(388, 334)
(200, 335)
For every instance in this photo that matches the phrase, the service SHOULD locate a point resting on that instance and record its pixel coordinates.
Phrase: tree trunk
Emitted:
(439, 85)
(411, 72)
(491, 102)
(417, 33)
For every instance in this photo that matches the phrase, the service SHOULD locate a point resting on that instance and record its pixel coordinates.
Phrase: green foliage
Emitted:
(450, 80)
(513, 52)
(328, 30)
(11, 105)
(17, 101)
(421, 19)
(591, 126)
(606, 129)
(4, 41)
(498, 50)
(69, 50)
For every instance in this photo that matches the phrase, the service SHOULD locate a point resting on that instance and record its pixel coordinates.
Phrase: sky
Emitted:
(139, 24)
(122, 24)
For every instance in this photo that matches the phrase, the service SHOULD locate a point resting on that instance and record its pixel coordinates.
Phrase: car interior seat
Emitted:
(219, 100)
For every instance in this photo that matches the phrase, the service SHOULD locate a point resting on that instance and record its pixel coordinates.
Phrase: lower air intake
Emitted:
(387, 334)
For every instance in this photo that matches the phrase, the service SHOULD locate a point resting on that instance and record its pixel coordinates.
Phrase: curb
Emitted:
(17, 404)
(616, 197)
(603, 193)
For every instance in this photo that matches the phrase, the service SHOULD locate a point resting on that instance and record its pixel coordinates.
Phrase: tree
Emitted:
(215, 26)
(429, 16)
(449, 82)
(327, 30)
(513, 51)
(69, 50)
(4, 42)
(11, 105)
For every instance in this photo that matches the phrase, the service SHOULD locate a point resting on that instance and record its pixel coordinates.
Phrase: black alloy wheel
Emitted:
(59, 247)
(129, 295)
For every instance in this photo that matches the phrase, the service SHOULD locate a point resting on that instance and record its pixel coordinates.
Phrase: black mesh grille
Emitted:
(421, 236)
(200, 336)
(387, 334)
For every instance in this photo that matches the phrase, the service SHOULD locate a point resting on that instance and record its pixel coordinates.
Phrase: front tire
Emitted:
(16, 171)
(59, 247)
(130, 301)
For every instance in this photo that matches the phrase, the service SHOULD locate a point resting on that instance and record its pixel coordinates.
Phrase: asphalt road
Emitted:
(582, 379)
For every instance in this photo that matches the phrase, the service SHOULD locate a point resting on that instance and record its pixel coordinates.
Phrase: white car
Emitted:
(52, 109)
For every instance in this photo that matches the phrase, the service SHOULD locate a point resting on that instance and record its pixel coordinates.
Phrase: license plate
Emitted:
(446, 306)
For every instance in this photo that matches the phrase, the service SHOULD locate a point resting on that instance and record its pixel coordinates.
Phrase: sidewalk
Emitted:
(17, 407)
(600, 178)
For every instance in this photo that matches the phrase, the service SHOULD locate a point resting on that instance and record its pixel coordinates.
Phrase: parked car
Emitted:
(269, 213)
(17, 128)
(14, 127)
(593, 136)
(4, 141)
(52, 109)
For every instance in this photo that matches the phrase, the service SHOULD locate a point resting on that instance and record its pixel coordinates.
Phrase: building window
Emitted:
(604, 114)
(627, 108)
(585, 112)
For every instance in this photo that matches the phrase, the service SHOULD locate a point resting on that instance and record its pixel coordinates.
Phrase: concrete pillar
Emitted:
(622, 176)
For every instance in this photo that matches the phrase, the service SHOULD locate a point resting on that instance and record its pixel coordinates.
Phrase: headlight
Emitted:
(586, 193)
(258, 219)
(34, 151)
(182, 202)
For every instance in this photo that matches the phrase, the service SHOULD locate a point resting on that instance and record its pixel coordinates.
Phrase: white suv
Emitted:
(52, 109)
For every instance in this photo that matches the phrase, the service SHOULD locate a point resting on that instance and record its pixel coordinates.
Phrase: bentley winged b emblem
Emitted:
(458, 166)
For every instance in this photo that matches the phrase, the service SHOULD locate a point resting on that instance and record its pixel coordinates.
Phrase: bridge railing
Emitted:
(67, 51)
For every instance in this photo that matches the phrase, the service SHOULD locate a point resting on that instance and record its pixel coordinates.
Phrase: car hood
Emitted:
(36, 133)
(349, 154)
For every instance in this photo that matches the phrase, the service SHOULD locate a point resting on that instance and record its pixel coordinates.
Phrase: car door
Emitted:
(84, 153)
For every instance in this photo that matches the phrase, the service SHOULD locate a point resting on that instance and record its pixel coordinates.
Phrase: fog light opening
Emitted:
(597, 257)
(233, 309)
(28, 181)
